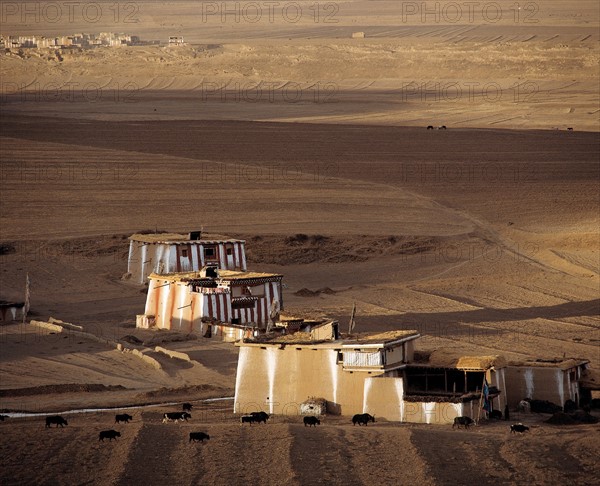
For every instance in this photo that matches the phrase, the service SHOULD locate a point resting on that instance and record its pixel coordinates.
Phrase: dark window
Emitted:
(184, 253)
(210, 252)
(230, 251)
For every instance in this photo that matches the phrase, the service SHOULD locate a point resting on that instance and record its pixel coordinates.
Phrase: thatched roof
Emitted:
(590, 379)
(445, 358)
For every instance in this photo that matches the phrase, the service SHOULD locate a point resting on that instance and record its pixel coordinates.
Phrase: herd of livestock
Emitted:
(251, 418)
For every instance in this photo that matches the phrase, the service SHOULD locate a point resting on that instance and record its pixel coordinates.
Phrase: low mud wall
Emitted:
(65, 327)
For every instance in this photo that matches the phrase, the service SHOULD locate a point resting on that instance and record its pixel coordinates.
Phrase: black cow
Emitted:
(496, 414)
(518, 428)
(2, 417)
(260, 417)
(55, 419)
(465, 421)
(109, 434)
(430, 127)
(570, 406)
(311, 421)
(362, 419)
(123, 418)
(175, 416)
(247, 419)
(187, 407)
(194, 436)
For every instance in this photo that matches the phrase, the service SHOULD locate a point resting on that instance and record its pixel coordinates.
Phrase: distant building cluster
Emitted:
(103, 39)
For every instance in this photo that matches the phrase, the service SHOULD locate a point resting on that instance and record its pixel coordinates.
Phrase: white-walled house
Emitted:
(189, 301)
(165, 253)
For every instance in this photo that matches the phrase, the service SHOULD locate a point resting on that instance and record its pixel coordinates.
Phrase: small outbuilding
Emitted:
(555, 380)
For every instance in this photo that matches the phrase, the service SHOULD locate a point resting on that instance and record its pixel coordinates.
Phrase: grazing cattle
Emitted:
(187, 407)
(544, 406)
(194, 436)
(260, 417)
(2, 417)
(569, 128)
(496, 414)
(570, 406)
(518, 428)
(311, 421)
(362, 419)
(443, 127)
(109, 434)
(55, 419)
(524, 406)
(175, 416)
(465, 421)
(430, 127)
(247, 419)
(123, 418)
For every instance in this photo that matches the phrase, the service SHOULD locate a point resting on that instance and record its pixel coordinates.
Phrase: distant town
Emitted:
(85, 41)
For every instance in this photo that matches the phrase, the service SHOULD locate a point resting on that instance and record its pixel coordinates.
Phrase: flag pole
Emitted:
(27, 295)
(351, 324)
(481, 399)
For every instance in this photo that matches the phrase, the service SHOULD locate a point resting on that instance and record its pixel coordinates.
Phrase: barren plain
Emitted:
(485, 236)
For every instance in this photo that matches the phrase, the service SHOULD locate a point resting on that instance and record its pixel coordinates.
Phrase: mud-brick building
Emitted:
(164, 253)
(193, 301)
(368, 373)
(279, 374)
(555, 380)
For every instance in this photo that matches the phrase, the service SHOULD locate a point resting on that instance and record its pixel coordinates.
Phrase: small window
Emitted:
(210, 252)
(184, 253)
(230, 251)
(340, 357)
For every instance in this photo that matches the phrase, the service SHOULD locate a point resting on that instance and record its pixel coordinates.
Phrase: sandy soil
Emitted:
(485, 237)
(509, 266)
(333, 453)
(534, 68)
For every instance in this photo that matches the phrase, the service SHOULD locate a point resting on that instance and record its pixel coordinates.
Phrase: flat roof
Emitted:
(362, 340)
(561, 363)
(227, 275)
(178, 239)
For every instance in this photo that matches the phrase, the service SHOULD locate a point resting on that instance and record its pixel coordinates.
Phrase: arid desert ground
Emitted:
(484, 237)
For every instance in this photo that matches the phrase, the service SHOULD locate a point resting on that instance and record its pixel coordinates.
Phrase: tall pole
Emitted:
(481, 399)
(351, 324)
(27, 296)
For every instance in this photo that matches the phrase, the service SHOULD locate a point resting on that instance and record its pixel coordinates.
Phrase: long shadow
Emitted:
(460, 322)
